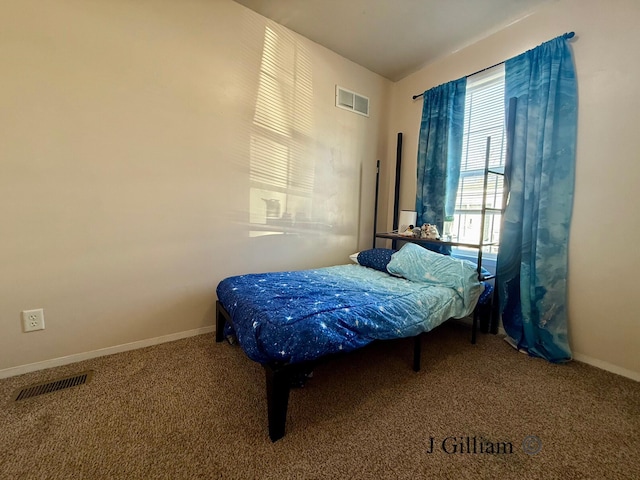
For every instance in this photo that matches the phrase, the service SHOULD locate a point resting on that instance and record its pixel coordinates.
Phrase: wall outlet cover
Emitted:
(33, 320)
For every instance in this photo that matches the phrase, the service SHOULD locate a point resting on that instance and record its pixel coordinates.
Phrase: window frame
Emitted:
(489, 84)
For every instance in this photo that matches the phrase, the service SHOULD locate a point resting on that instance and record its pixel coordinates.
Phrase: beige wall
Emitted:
(604, 257)
(125, 135)
(125, 162)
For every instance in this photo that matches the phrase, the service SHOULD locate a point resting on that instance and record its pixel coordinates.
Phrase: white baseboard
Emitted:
(78, 357)
(609, 367)
(594, 362)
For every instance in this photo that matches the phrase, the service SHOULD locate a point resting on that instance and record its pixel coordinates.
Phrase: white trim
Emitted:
(609, 367)
(78, 357)
(594, 362)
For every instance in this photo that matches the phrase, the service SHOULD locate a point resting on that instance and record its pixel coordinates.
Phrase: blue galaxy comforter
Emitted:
(303, 315)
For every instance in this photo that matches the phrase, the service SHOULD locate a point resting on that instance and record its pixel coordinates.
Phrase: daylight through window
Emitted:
(484, 117)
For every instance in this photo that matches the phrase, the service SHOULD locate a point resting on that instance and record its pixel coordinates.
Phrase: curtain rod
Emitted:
(566, 35)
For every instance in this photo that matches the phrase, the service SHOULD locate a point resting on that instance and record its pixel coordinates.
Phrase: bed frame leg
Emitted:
(220, 321)
(474, 328)
(278, 386)
(417, 352)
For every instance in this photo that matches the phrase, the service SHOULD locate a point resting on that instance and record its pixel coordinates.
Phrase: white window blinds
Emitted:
(484, 117)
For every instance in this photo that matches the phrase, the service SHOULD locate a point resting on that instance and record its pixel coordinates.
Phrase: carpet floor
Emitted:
(196, 409)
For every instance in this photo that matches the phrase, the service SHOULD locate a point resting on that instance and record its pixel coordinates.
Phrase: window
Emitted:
(484, 117)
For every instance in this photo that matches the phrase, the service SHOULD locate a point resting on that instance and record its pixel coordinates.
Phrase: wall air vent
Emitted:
(352, 101)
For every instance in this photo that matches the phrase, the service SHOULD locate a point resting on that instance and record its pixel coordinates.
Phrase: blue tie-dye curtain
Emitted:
(532, 260)
(439, 153)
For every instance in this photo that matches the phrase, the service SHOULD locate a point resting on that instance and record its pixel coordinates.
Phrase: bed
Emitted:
(288, 321)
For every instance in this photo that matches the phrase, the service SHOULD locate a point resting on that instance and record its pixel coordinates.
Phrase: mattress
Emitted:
(299, 316)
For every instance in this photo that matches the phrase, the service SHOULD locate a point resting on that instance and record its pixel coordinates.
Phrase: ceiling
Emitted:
(394, 38)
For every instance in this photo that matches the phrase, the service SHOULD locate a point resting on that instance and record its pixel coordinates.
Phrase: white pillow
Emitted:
(354, 257)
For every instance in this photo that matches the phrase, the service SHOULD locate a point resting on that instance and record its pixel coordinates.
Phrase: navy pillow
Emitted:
(376, 258)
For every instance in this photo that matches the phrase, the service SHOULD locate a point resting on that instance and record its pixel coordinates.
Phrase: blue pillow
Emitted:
(376, 258)
(419, 264)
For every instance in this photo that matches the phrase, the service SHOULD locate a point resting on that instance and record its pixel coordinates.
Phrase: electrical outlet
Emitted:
(33, 320)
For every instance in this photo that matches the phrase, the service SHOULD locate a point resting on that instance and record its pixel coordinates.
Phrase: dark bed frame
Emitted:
(279, 376)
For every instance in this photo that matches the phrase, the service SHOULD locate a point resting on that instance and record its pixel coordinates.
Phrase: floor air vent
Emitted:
(53, 386)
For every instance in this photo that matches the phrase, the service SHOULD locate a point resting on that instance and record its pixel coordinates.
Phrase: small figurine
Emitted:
(408, 232)
(429, 231)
